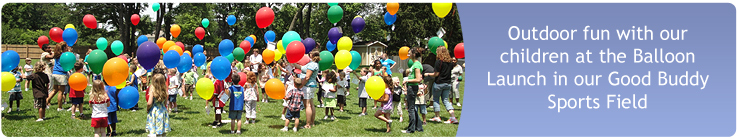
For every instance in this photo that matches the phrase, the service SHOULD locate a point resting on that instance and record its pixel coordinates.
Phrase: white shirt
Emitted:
(174, 81)
(255, 61)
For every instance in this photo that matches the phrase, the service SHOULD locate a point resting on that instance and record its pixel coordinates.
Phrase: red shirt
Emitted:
(218, 90)
(76, 94)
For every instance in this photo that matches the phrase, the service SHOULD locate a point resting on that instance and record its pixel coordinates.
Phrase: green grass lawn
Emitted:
(192, 121)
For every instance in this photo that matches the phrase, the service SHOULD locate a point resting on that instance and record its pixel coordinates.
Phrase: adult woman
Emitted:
(443, 84)
(59, 77)
(309, 75)
(414, 122)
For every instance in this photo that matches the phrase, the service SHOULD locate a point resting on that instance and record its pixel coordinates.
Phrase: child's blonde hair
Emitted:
(98, 93)
(159, 90)
(40, 66)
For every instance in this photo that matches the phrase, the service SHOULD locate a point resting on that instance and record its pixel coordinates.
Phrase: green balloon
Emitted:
(96, 60)
(116, 47)
(102, 43)
(230, 57)
(205, 22)
(356, 60)
(410, 63)
(155, 7)
(67, 61)
(335, 13)
(238, 53)
(434, 43)
(289, 37)
(333, 4)
(327, 59)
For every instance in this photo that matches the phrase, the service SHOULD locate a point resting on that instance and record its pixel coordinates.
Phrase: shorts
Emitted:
(251, 108)
(58, 79)
(188, 88)
(219, 110)
(112, 117)
(421, 108)
(76, 101)
(341, 99)
(235, 115)
(384, 111)
(362, 102)
(309, 92)
(329, 102)
(39, 103)
(173, 98)
(16, 96)
(99, 122)
(292, 115)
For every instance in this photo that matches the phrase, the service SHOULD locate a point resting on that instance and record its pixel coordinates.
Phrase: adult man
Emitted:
(255, 58)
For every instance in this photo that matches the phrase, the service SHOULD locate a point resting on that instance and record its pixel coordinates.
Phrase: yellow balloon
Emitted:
(176, 48)
(446, 45)
(69, 26)
(375, 87)
(205, 88)
(8, 81)
(168, 45)
(280, 47)
(278, 55)
(441, 9)
(357, 16)
(342, 59)
(345, 43)
(121, 86)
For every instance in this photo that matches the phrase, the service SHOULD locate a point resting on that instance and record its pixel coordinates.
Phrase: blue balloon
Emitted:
(389, 19)
(128, 97)
(70, 36)
(185, 64)
(251, 40)
(270, 36)
(220, 67)
(10, 60)
(141, 40)
(226, 47)
(199, 59)
(171, 59)
(197, 49)
(231, 20)
(330, 46)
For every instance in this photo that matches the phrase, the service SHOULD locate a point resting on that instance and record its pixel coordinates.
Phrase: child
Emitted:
(251, 97)
(16, 94)
(40, 89)
(397, 92)
(294, 99)
(362, 93)
(28, 70)
(329, 98)
(157, 121)
(77, 96)
(174, 87)
(112, 114)
(265, 77)
(99, 102)
(386, 106)
(236, 105)
(342, 83)
(217, 103)
(189, 78)
(421, 101)
(132, 80)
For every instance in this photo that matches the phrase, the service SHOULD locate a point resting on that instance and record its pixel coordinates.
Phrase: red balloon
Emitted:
(42, 40)
(90, 21)
(304, 61)
(459, 50)
(295, 51)
(265, 16)
(182, 45)
(123, 57)
(135, 19)
(56, 34)
(242, 77)
(246, 45)
(200, 33)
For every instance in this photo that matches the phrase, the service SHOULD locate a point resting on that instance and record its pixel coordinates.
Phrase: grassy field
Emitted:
(192, 121)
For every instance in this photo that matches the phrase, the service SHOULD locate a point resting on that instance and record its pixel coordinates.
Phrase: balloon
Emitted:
(155, 7)
(90, 21)
(281, 47)
(459, 50)
(42, 40)
(230, 58)
(254, 38)
(220, 67)
(264, 17)
(97, 58)
(435, 42)
(238, 54)
(10, 60)
(441, 9)
(171, 59)
(375, 87)
(225, 47)
(245, 46)
(445, 44)
(327, 59)
(242, 77)
(148, 55)
(123, 57)
(197, 49)
(268, 56)
(176, 49)
(270, 36)
(334, 35)
(332, 4)
(330, 46)
(250, 40)
(160, 42)
(70, 36)
(231, 20)
(67, 61)
(335, 13)
(69, 26)
(205, 22)
(289, 37)
(309, 44)
(392, 7)
(182, 45)
(141, 40)
(358, 24)
(390, 19)
(168, 45)
(77, 81)
(185, 64)
(343, 58)
(356, 60)
(410, 63)
(187, 52)
(205, 88)
(116, 47)
(304, 61)
(56, 34)
(115, 71)
(403, 52)
(199, 59)
(135, 19)
(278, 55)
(295, 51)
(175, 30)
(200, 33)
(345, 43)
(8, 81)
(128, 97)
(275, 89)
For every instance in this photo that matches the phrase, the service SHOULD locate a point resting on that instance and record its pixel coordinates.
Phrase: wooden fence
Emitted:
(34, 52)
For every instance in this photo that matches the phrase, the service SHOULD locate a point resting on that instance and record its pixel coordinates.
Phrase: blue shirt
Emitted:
(388, 63)
(58, 68)
(17, 87)
(312, 66)
(113, 98)
(134, 80)
(237, 98)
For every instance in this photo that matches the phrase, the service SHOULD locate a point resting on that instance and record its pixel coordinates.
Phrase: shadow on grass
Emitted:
(272, 116)
(135, 132)
(192, 112)
(276, 126)
(378, 130)
(17, 117)
(343, 117)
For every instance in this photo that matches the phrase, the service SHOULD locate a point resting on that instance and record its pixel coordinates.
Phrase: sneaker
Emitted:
(238, 132)
(39, 120)
(253, 121)
(374, 108)
(460, 105)
(283, 117)
(401, 118)
(70, 109)
(133, 110)
(405, 131)
(295, 129)
(284, 129)
(325, 117)
(232, 132)
(333, 118)
(431, 107)
(10, 109)
(27, 88)
(246, 121)
(362, 114)
(47, 106)
(435, 119)
(59, 109)
(424, 123)
(451, 121)
(73, 117)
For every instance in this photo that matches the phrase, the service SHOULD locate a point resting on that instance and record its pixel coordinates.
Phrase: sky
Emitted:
(151, 13)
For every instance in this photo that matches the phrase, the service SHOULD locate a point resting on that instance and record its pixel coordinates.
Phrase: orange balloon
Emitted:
(392, 7)
(188, 53)
(176, 48)
(161, 41)
(115, 71)
(403, 52)
(253, 37)
(78, 81)
(275, 89)
(168, 45)
(175, 30)
(268, 56)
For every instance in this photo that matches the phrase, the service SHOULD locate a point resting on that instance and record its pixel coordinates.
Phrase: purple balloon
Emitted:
(358, 24)
(334, 35)
(148, 55)
(309, 44)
